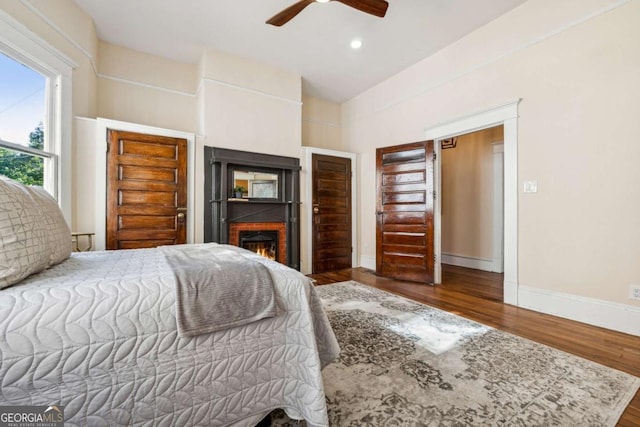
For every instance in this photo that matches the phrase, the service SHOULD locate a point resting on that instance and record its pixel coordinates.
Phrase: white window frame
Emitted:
(50, 164)
(21, 44)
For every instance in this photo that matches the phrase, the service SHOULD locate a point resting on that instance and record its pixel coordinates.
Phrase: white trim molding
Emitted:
(307, 201)
(145, 85)
(322, 122)
(605, 314)
(102, 125)
(249, 90)
(468, 262)
(507, 115)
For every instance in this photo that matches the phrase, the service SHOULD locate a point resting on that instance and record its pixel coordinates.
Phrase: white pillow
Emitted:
(30, 234)
(59, 244)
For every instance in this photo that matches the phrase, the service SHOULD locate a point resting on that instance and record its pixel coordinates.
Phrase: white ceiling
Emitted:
(314, 44)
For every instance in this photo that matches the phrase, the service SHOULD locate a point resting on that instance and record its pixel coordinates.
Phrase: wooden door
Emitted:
(331, 213)
(146, 190)
(404, 229)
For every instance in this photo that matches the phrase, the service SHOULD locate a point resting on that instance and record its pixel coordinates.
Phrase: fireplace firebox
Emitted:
(263, 242)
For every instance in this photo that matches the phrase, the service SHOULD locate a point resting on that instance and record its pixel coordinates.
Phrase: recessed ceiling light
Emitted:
(323, 1)
(356, 44)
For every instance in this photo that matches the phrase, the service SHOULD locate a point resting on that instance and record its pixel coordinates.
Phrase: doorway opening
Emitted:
(507, 115)
(472, 206)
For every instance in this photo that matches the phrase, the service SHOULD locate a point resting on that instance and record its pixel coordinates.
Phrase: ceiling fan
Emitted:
(373, 7)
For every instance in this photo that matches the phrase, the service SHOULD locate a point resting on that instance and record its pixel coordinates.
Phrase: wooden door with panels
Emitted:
(404, 223)
(146, 190)
(331, 197)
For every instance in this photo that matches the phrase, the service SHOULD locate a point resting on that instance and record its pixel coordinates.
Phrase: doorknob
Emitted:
(316, 210)
(181, 214)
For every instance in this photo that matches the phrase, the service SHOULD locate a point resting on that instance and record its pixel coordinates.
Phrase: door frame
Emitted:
(498, 207)
(506, 115)
(306, 214)
(102, 125)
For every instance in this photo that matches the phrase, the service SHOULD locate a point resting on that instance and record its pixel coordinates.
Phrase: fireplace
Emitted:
(253, 196)
(262, 242)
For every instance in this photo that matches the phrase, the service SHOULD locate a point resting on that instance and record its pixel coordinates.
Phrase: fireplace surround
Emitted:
(267, 204)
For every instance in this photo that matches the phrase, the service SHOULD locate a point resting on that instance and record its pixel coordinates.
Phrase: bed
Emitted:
(96, 333)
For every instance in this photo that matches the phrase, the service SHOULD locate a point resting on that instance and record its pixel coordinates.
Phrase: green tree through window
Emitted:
(25, 168)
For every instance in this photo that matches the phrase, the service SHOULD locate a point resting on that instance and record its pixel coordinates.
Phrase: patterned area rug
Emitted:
(407, 364)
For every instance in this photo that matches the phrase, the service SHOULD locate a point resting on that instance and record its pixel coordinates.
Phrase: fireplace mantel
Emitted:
(222, 209)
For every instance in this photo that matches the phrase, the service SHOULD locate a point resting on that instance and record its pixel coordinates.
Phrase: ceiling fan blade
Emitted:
(289, 13)
(373, 7)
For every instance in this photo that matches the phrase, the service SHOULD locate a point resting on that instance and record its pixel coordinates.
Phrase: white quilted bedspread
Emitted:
(97, 334)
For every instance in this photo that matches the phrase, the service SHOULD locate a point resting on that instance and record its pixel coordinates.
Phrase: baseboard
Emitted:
(510, 290)
(606, 314)
(468, 262)
(367, 261)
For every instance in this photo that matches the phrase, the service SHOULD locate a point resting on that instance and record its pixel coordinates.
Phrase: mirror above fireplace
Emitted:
(255, 185)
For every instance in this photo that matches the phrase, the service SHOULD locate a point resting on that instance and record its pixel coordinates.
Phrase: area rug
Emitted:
(406, 364)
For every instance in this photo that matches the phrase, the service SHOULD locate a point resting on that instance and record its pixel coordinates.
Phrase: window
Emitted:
(38, 151)
(23, 156)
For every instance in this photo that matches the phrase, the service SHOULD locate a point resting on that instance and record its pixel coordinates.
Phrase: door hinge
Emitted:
(434, 194)
(108, 146)
(435, 156)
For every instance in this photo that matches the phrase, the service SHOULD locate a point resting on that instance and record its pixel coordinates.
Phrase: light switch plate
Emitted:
(531, 186)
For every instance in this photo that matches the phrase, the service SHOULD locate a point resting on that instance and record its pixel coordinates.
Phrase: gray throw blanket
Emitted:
(217, 287)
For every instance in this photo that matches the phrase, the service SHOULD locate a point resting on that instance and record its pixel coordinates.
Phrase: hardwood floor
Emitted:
(477, 295)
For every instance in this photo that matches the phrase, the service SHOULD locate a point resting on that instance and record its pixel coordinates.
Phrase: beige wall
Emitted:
(145, 89)
(84, 202)
(245, 105)
(575, 64)
(467, 195)
(65, 26)
(321, 123)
